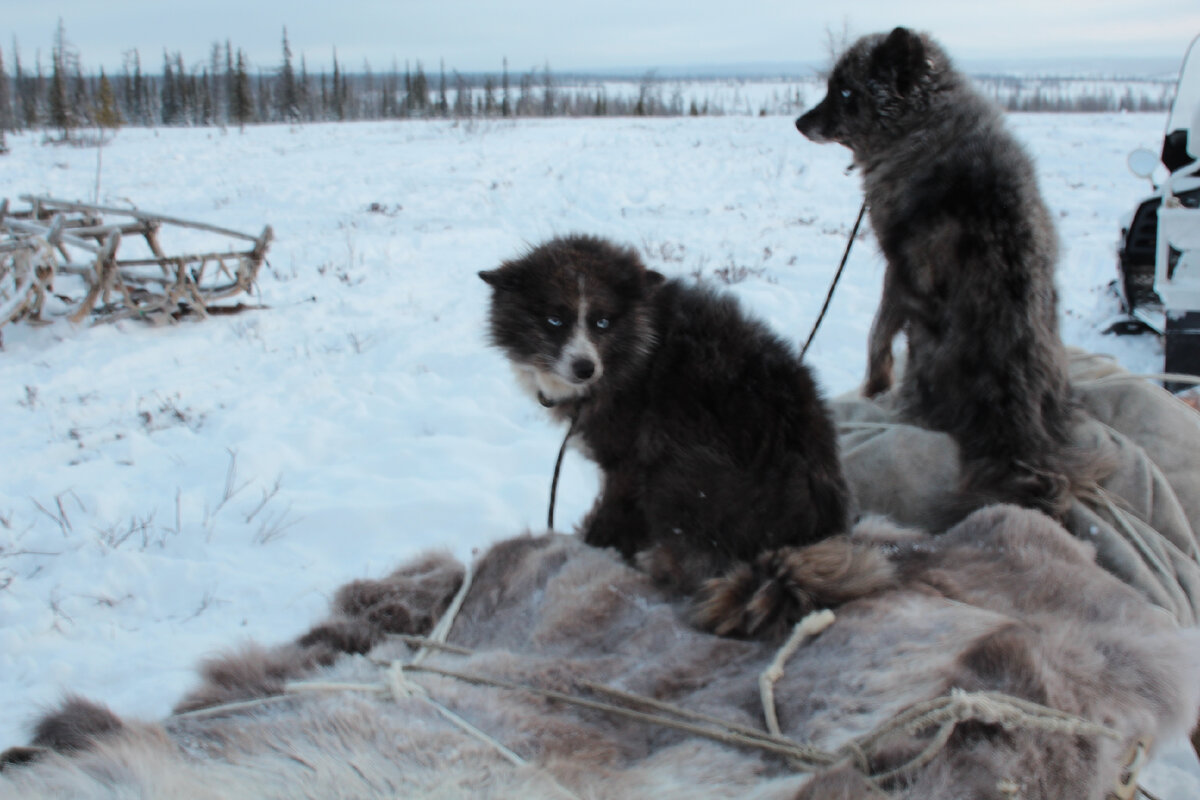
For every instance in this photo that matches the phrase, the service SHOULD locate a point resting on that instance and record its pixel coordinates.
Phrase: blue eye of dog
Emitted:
(602, 323)
(846, 94)
(555, 322)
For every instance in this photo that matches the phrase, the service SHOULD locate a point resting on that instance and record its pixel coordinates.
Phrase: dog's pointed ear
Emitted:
(501, 278)
(903, 53)
(639, 283)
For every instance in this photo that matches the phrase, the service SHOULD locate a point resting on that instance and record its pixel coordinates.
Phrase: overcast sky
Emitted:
(475, 35)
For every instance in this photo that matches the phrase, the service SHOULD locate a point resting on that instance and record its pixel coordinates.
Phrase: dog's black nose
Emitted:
(583, 368)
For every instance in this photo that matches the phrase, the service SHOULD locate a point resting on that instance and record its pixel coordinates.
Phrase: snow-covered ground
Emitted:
(168, 492)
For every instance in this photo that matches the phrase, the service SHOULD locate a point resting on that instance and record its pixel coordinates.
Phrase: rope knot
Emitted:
(857, 757)
(398, 685)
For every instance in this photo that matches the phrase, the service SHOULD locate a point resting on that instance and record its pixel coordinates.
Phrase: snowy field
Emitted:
(169, 492)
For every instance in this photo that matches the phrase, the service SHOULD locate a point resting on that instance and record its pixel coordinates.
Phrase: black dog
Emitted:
(714, 443)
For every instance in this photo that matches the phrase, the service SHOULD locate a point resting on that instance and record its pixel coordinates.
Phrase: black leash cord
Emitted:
(558, 468)
(837, 277)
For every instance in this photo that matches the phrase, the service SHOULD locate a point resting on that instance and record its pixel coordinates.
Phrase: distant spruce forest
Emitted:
(225, 90)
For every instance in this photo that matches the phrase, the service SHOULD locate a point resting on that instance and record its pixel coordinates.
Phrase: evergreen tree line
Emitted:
(1091, 101)
(1067, 95)
(225, 90)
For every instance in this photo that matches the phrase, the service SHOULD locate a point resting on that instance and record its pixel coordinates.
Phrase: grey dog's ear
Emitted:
(903, 54)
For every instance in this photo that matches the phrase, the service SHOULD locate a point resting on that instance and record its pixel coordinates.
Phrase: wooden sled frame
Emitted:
(55, 237)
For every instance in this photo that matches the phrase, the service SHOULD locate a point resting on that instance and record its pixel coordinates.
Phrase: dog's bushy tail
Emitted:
(763, 599)
(1044, 487)
(1050, 484)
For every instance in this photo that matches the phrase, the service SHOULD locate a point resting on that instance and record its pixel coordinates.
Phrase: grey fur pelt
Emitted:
(1005, 601)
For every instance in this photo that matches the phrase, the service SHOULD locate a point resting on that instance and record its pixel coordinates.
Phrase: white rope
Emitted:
(399, 686)
(1011, 713)
(241, 705)
(882, 426)
(1133, 535)
(805, 629)
(441, 631)
(1133, 377)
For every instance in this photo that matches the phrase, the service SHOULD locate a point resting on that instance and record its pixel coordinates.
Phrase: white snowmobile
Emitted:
(1159, 251)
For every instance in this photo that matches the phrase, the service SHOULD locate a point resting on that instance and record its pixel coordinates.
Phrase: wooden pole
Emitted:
(136, 214)
(103, 275)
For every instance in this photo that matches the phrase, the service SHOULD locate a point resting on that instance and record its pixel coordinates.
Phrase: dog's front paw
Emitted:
(878, 382)
(600, 530)
(879, 369)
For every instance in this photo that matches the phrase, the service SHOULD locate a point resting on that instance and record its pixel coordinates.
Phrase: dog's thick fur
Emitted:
(971, 251)
(714, 443)
(1007, 601)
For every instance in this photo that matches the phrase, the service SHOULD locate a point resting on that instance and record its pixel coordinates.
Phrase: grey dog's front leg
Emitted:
(889, 320)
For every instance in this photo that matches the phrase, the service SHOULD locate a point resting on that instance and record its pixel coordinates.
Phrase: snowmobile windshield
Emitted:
(1176, 150)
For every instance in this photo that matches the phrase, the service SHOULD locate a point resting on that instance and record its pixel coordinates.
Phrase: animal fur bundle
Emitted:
(1143, 518)
(1006, 601)
(971, 251)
